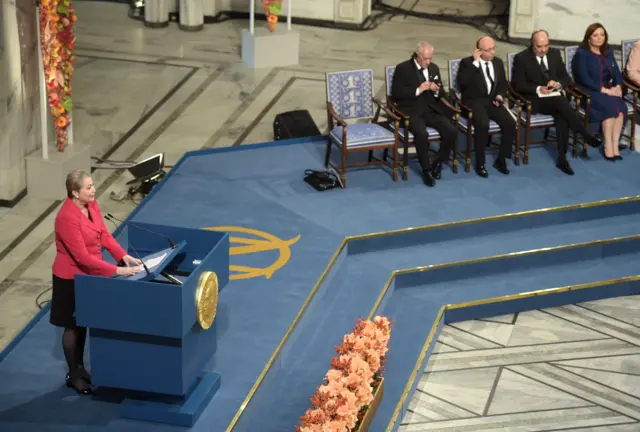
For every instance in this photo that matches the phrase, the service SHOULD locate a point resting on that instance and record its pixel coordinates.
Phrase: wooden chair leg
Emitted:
(454, 163)
(328, 154)
(395, 162)
(467, 166)
(343, 167)
(518, 137)
(371, 155)
(632, 133)
(405, 160)
(527, 143)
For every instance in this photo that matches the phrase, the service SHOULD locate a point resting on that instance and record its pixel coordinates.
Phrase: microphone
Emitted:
(138, 256)
(171, 243)
(134, 250)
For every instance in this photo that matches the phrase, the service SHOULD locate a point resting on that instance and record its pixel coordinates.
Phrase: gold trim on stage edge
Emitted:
(207, 299)
(348, 239)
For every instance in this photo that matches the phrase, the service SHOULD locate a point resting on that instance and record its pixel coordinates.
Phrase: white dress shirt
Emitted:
(425, 72)
(546, 63)
(482, 65)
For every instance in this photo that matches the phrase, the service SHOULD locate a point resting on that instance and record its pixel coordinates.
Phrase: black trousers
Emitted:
(566, 119)
(483, 111)
(444, 126)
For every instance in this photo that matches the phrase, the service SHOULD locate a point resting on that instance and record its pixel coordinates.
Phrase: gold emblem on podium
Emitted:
(207, 299)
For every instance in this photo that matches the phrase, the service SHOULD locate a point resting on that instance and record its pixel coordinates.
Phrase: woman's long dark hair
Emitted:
(604, 49)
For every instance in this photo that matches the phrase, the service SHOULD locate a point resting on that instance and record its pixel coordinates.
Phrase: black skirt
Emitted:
(63, 303)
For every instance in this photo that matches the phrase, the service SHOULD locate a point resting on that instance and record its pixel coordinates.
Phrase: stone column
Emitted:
(191, 15)
(19, 96)
(156, 13)
(352, 11)
(523, 15)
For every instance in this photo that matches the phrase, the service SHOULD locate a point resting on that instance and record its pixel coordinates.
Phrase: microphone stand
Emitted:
(171, 243)
(134, 251)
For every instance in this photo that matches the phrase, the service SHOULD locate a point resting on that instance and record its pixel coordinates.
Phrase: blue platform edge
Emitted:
(184, 413)
(509, 306)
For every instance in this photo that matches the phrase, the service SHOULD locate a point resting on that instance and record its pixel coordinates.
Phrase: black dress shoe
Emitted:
(436, 170)
(594, 141)
(482, 171)
(82, 373)
(428, 178)
(565, 167)
(83, 391)
(501, 166)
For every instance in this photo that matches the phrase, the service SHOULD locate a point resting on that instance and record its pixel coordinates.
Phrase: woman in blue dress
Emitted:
(596, 72)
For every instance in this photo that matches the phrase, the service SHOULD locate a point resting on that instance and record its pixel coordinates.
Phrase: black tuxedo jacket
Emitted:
(526, 73)
(472, 84)
(406, 80)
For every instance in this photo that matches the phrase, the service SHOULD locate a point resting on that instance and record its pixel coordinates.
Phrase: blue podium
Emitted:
(152, 334)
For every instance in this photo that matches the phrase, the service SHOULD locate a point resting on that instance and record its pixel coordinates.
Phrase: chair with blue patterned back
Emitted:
(626, 50)
(405, 136)
(529, 120)
(350, 96)
(466, 118)
(582, 110)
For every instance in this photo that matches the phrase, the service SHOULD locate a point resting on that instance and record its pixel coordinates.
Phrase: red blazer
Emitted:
(79, 243)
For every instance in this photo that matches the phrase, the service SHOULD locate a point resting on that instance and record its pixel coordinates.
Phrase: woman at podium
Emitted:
(80, 233)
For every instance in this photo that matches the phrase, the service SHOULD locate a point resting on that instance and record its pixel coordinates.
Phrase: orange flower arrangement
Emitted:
(341, 403)
(272, 10)
(57, 42)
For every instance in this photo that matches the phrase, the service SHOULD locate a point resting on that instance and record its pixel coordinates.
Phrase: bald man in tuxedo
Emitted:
(482, 80)
(539, 74)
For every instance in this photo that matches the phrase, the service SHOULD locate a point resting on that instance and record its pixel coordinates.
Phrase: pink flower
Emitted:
(334, 375)
(337, 426)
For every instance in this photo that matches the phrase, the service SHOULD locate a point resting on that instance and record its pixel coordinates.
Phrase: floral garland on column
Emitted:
(272, 10)
(57, 42)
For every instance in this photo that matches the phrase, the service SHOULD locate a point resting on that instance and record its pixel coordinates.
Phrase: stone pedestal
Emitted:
(191, 15)
(46, 177)
(156, 13)
(264, 49)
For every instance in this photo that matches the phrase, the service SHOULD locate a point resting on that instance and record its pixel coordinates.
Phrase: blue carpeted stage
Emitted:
(293, 248)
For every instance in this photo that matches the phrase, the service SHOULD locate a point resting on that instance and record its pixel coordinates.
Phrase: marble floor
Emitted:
(138, 92)
(570, 368)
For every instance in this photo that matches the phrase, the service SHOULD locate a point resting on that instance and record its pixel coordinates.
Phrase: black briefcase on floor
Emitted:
(294, 124)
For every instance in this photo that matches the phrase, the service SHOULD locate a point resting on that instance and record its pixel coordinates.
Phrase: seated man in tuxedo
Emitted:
(417, 89)
(539, 74)
(482, 81)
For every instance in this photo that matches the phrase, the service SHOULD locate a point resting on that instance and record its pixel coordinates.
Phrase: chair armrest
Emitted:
(517, 102)
(334, 114)
(577, 91)
(450, 106)
(457, 101)
(518, 96)
(389, 113)
(630, 85)
(397, 110)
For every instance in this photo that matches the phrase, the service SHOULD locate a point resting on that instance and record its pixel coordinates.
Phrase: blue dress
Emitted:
(593, 71)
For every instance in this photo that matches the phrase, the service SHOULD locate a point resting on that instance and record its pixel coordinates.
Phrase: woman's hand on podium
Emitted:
(128, 271)
(129, 261)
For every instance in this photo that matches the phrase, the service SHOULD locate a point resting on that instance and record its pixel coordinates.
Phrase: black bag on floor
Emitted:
(321, 180)
(294, 124)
